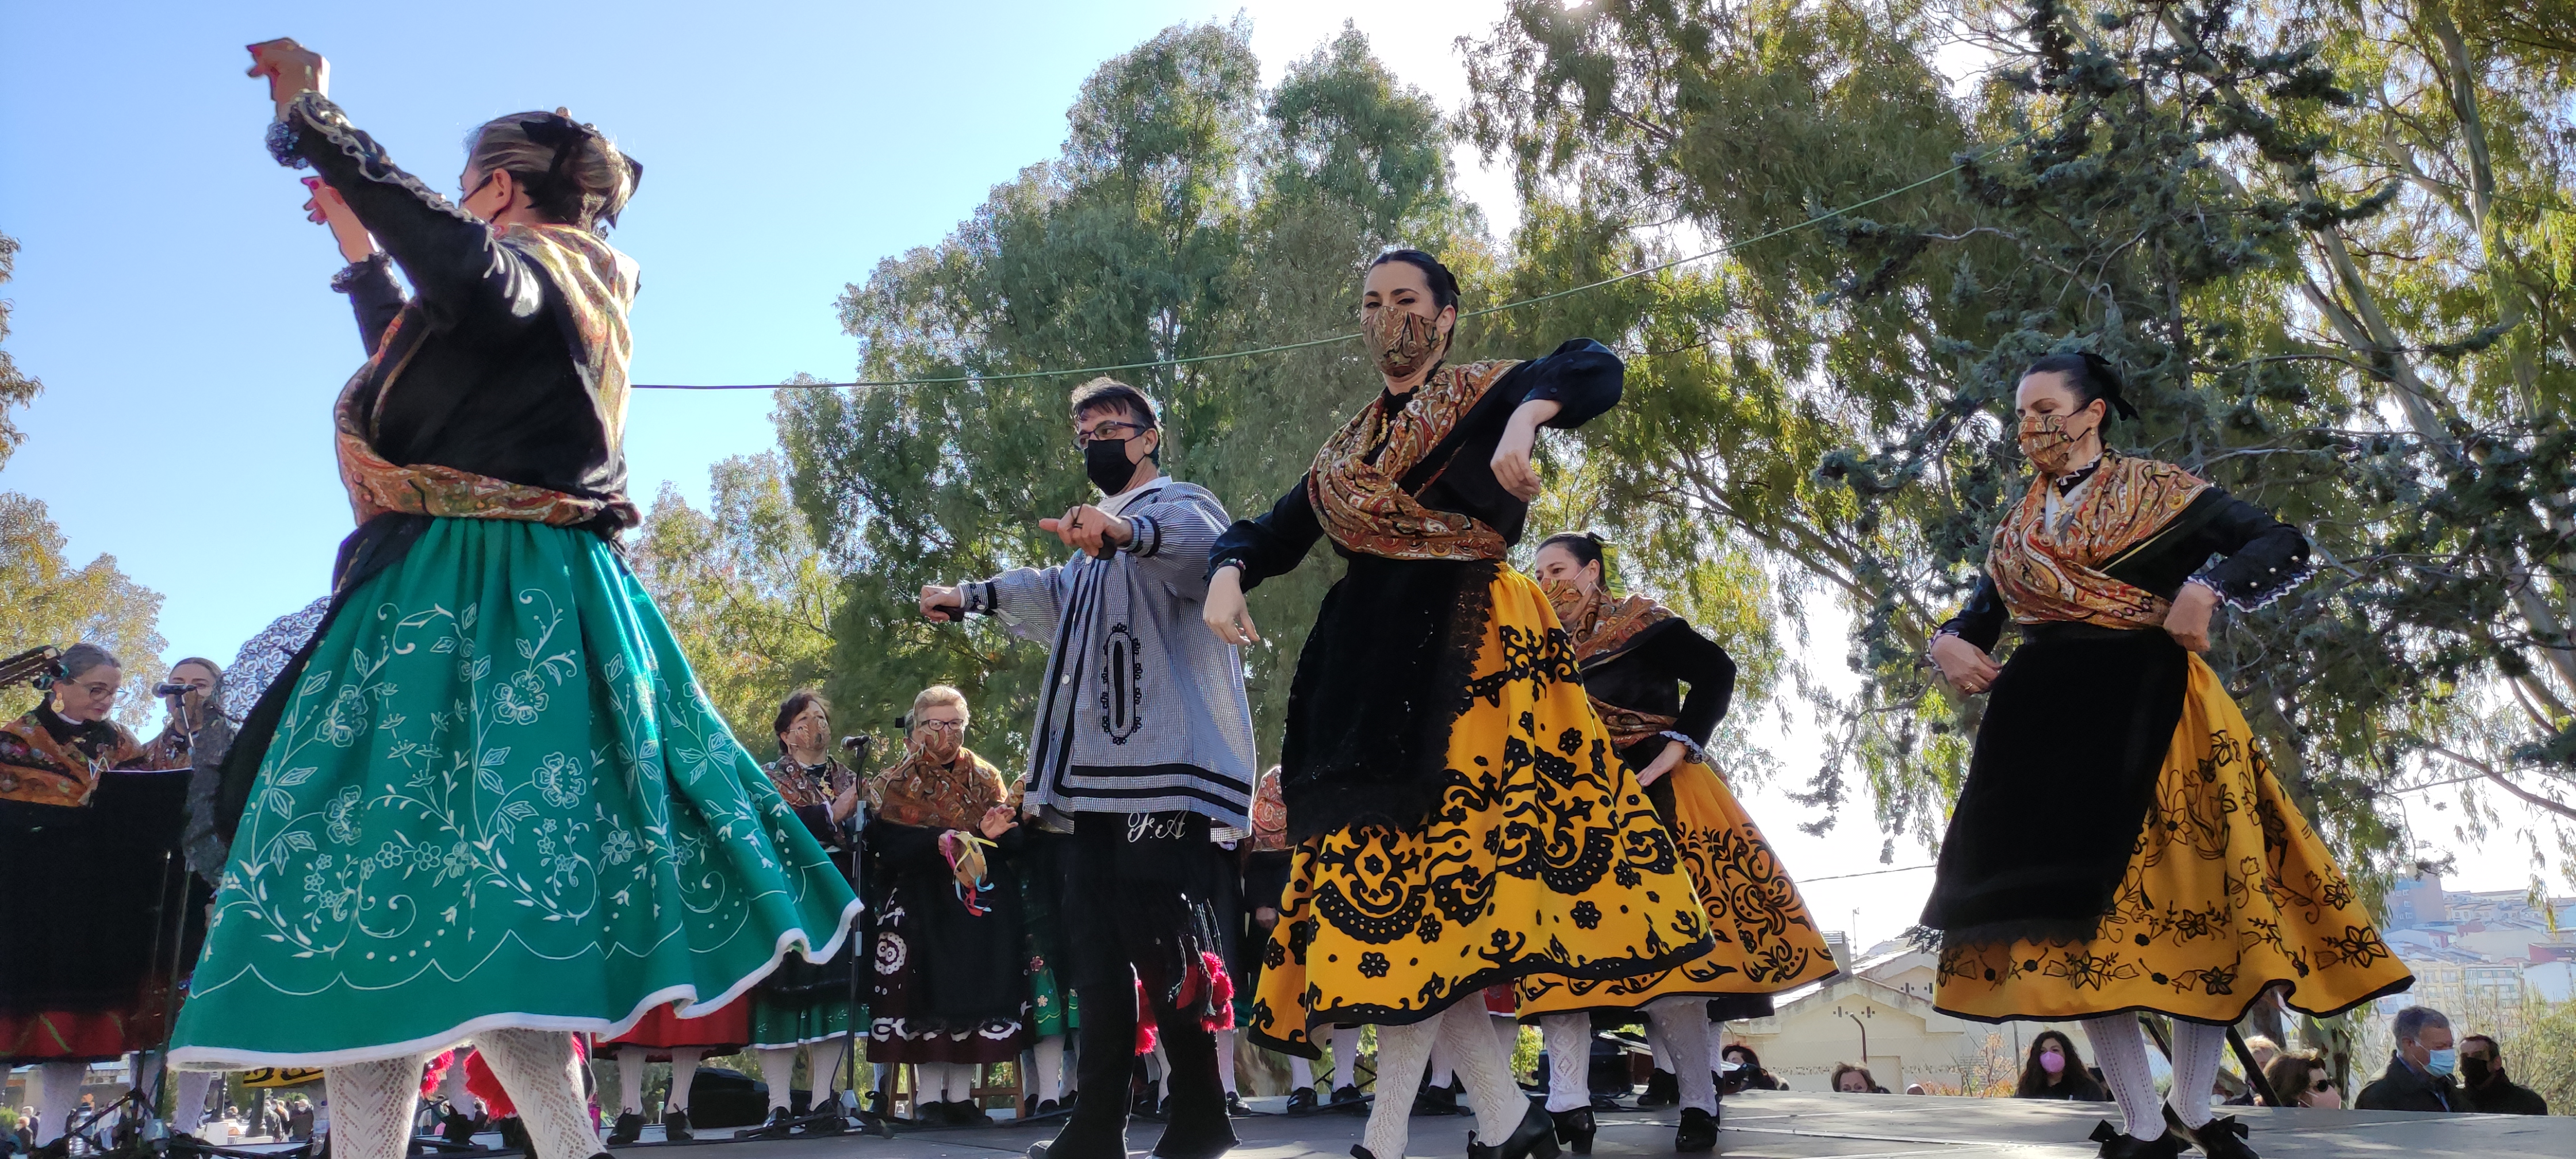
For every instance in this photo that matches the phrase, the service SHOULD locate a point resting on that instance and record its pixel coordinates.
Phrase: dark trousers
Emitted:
(1132, 918)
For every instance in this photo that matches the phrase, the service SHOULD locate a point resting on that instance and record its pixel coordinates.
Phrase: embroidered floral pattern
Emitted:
(2227, 891)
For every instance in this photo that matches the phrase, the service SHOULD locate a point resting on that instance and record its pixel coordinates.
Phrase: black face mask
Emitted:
(1105, 461)
(2476, 1070)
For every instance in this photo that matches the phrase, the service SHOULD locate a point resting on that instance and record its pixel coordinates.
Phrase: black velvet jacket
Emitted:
(490, 380)
(1647, 675)
(1384, 672)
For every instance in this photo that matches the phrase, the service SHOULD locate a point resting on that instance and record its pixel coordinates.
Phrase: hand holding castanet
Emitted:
(1225, 613)
(291, 69)
(2187, 621)
(1964, 665)
(942, 604)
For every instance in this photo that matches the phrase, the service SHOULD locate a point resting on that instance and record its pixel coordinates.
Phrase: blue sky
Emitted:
(173, 299)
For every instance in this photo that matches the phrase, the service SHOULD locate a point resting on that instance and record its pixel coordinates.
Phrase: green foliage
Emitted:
(2542, 1056)
(1190, 212)
(43, 598)
(2372, 353)
(744, 591)
(16, 388)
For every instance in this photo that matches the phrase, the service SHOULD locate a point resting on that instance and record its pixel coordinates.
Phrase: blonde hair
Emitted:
(940, 694)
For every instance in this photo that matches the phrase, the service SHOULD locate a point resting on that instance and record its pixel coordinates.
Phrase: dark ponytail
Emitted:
(1444, 285)
(2090, 376)
(1585, 546)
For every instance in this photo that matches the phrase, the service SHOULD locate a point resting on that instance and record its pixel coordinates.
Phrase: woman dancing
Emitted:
(1460, 818)
(1636, 657)
(2169, 873)
(487, 801)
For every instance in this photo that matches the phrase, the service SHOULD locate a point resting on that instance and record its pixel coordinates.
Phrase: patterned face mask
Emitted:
(1405, 341)
(2047, 443)
(1567, 599)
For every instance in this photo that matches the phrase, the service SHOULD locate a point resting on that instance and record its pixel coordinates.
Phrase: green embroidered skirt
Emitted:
(497, 797)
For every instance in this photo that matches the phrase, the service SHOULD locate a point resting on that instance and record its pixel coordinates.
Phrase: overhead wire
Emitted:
(1282, 348)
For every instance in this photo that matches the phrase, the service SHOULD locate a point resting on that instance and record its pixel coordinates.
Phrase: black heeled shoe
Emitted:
(675, 1125)
(1535, 1137)
(2220, 1138)
(1698, 1131)
(1575, 1129)
(1663, 1089)
(2119, 1144)
(629, 1128)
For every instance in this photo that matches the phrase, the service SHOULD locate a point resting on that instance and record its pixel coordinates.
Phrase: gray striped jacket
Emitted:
(1143, 709)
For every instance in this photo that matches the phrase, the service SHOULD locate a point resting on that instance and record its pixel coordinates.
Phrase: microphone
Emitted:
(173, 689)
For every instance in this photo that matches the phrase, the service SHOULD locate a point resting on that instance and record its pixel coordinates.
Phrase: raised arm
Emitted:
(1029, 600)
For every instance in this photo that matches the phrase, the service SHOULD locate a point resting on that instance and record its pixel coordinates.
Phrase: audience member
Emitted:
(2483, 1080)
(2419, 1073)
(2055, 1071)
(2301, 1080)
(1915, 1089)
(1748, 1074)
(1855, 1080)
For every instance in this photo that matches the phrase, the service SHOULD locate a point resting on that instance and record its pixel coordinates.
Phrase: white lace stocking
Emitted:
(1568, 1039)
(684, 1071)
(1401, 1053)
(2123, 1055)
(53, 1088)
(2195, 1066)
(1682, 1023)
(371, 1107)
(1468, 1033)
(543, 1076)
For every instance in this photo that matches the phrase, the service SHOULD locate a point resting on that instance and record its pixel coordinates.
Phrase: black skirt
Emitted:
(1380, 681)
(2059, 788)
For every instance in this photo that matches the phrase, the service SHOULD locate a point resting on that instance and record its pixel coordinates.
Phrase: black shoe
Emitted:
(1096, 1137)
(2119, 1144)
(1435, 1101)
(1045, 1107)
(875, 1101)
(1234, 1105)
(675, 1125)
(2220, 1138)
(1606, 1103)
(1197, 1132)
(1698, 1131)
(1301, 1102)
(629, 1128)
(514, 1136)
(1575, 1129)
(1663, 1089)
(456, 1128)
(1347, 1101)
(1535, 1138)
(1359, 1152)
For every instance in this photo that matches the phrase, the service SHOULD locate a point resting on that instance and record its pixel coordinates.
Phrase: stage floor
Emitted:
(1794, 1125)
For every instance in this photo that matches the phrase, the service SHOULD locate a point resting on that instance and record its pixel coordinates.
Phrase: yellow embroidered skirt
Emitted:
(1762, 939)
(2229, 890)
(1544, 856)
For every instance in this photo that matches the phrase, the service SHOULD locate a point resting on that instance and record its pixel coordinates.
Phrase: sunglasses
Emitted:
(2322, 1085)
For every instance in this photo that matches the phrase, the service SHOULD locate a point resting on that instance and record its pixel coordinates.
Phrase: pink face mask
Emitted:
(2054, 1062)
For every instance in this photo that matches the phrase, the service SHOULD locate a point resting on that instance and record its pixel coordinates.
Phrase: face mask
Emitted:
(1405, 341)
(2054, 1062)
(2442, 1062)
(1563, 596)
(2476, 1070)
(2047, 443)
(1106, 462)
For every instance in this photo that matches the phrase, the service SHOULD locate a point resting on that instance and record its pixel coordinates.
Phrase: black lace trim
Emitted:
(368, 266)
(313, 111)
(2261, 595)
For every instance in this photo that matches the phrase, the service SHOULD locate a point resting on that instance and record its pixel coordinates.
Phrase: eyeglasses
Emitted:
(1105, 432)
(2321, 1086)
(942, 725)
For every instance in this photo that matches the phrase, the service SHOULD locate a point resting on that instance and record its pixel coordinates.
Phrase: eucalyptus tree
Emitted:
(1189, 213)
